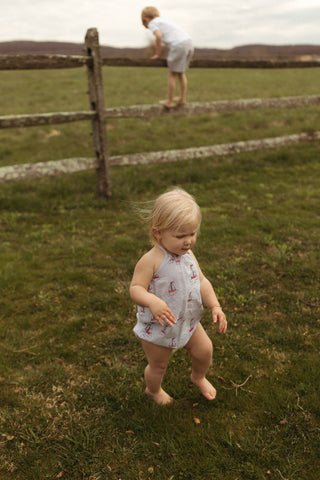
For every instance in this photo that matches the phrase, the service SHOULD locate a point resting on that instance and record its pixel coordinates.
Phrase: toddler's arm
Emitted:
(141, 279)
(158, 36)
(210, 300)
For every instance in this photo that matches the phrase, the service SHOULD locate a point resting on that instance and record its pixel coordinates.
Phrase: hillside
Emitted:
(245, 52)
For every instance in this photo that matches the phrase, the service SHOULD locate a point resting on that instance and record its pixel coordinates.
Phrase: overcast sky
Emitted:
(211, 23)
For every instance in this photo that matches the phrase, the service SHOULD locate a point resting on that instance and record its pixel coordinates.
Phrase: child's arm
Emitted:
(158, 36)
(210, 300)
(141, 279)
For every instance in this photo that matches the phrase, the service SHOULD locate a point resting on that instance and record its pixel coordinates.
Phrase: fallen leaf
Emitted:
(60, 475)
(53, 133)
(196, 421)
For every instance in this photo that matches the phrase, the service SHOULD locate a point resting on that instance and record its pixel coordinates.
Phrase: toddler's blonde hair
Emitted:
(150, 12)
(172, 210)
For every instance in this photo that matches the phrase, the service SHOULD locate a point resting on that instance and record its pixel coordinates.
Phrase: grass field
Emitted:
(72, 403)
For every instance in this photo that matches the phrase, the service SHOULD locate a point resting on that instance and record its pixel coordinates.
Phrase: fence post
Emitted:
(96, 96)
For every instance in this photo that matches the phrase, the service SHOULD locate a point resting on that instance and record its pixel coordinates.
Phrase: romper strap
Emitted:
(161, 248)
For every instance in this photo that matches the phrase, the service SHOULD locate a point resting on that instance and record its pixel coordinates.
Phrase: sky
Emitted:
(211, 23)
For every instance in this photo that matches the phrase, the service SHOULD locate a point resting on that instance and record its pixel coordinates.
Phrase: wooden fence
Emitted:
(98, 115)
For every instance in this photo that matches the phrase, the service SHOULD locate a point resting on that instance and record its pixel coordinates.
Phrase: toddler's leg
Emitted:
(200, 349)
(183, 82)
(158, 358)
(168, 103)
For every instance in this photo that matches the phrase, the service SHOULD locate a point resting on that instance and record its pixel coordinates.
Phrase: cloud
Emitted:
(211, 23)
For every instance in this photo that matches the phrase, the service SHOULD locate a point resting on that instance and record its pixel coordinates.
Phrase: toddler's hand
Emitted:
(161, 312)
(218, 315)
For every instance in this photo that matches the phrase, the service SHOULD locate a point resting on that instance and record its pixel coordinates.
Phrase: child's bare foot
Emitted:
(161, 398)
(166, 103)
(205, 387)
(179, 100)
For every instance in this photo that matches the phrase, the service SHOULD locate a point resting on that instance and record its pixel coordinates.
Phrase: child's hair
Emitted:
(172, 210)
(150, 12)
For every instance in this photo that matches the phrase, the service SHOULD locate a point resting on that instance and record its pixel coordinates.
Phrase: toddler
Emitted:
(180, 52)
(169, 288)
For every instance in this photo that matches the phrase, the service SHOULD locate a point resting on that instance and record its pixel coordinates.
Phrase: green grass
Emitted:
(71, 370)
(65, 90)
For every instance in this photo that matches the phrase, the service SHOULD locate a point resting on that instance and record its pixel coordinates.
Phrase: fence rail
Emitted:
(212, 150)
(41, 61)
(99, 114)
(74, 165)
(147, 111)
(41, 119)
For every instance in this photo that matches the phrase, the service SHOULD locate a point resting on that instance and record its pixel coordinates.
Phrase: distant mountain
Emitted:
(63, 48)
(263, 52)
(245, 52)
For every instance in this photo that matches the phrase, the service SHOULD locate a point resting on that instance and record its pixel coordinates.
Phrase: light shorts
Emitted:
(180, 56)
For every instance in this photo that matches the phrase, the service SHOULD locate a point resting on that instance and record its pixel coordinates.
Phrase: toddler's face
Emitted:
(178, 242)
(145, 21)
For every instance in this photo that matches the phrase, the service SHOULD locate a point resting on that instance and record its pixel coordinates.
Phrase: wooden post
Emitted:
(96, 95)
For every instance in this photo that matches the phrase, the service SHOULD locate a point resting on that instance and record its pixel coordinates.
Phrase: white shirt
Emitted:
(171, 33)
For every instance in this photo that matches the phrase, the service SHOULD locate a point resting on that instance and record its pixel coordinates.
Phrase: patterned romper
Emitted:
(177, 283)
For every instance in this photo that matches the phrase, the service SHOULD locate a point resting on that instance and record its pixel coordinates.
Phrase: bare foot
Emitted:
(166, 103)
(205, 388)
(161, 398)
(179, 100)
